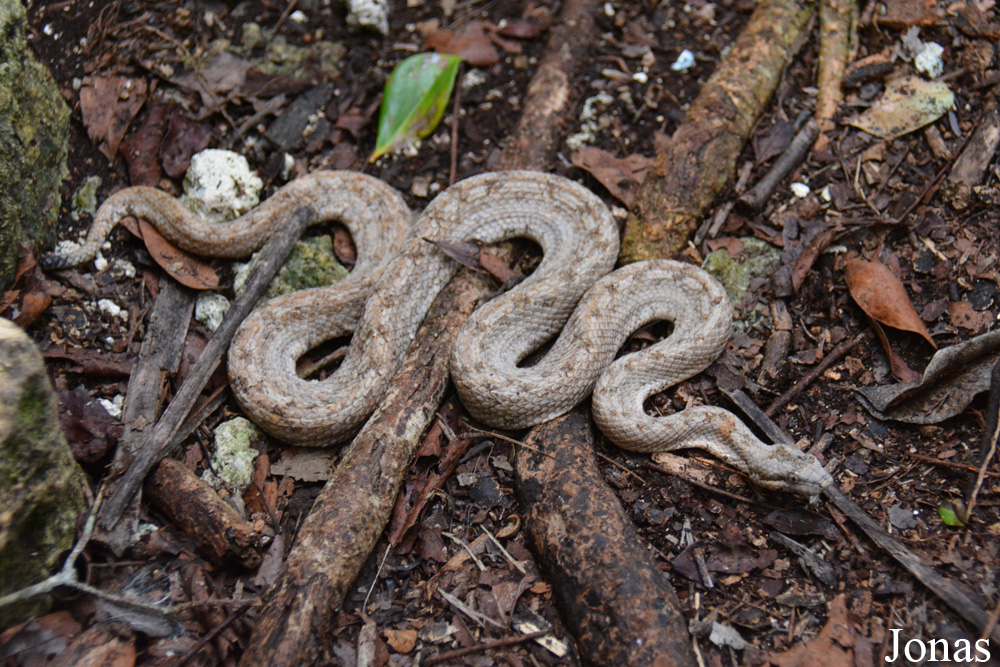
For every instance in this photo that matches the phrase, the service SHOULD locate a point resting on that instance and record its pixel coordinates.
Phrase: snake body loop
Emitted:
(579, 240)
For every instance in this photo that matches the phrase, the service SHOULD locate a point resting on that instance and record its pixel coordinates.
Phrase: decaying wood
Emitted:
(835, 28)
(550, 94)
(701, 157)
(621, 609)
(159, 356)
(334, 542)
(351, 512)
(135, 465)
(195, 508)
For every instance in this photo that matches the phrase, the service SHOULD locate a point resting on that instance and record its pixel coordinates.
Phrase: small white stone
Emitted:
(47, 29)
(684, 61)
(474, 77)
(800, 190)
(99, 262)
(109, 307)
(928, 60)
(298, 16)
(825, 194)
(368, 14)
(220, 186)
(210, 309)
(609, 9)
(286, 168)
(641, 77)
(114, 406)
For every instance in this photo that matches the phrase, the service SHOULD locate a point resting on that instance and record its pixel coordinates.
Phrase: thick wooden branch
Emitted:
(122, 491)
(355, 505)
(701, 157)
(613, 598)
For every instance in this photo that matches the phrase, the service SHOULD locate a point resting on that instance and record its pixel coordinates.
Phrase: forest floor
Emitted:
(271, 79)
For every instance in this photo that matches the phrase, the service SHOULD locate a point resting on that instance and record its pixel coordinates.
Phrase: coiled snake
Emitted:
(399, 273)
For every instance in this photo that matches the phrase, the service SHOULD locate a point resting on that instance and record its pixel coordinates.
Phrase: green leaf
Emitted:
(414, 101)
(949, 516)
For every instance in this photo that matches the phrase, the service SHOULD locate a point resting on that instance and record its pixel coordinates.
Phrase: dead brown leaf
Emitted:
(472, 44)
(141, 149)
(525, 28)
(732, 245)
(883, 298)
(622, 177)
(108, 105)
(963, 315)
(182, 267)
(495, 266)
(401, 641)
(225, 75)
(32, 306)
(306, 464)
(839, 644)
(184, 138)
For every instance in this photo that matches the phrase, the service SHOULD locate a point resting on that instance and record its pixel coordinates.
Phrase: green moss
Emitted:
(282, 58)
(34, 129)
(756, 261)
(85, 197)
(311, 263)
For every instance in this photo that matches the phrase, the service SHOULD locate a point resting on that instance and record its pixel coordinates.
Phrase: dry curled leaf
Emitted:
(839, 644)
(622, 177)
(182, 267)
(471, 44)
(951, 380)
(108, 105)
(883, 298)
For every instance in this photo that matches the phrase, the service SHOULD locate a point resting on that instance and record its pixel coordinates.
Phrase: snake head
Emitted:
(793, 471)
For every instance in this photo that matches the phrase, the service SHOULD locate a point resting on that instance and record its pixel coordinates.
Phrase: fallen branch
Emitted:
(614, 600)
(701, 157)
(550, 94)
(836, 18)
(336, 539)
(482, 648)
(758, 195)
(988, 448)
(354, 506)
(159, 357)
(159, 442)
(194, 507)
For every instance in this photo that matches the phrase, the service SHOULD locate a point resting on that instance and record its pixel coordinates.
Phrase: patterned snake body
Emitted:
(579, 240)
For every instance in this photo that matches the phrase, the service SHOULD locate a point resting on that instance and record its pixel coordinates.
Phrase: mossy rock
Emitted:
(756, 261)
(41, 486)
(34, 131)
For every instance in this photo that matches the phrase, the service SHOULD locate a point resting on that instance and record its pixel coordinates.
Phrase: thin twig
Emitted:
(990, 434)
(456, 108)
(160, 441)
(482, 648)
(758, 195)
(835, 355)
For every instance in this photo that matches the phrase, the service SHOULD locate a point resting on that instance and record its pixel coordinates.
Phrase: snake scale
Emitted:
(397, 276)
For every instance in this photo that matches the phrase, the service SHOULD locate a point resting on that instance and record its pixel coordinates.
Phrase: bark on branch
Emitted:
(700, 160)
